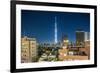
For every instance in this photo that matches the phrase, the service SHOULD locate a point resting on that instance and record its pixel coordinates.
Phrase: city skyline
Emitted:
(49, 27)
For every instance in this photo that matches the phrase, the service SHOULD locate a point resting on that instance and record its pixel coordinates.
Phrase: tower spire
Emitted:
(55, 30)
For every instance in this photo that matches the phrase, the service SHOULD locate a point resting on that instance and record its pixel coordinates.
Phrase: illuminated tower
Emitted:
(55, 31)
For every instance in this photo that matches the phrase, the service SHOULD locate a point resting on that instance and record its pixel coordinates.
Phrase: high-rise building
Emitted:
(28, 49)
(65, 40)
(80, 37)
(83, 38)
(55, 31)
(87, 36)
(87, 44)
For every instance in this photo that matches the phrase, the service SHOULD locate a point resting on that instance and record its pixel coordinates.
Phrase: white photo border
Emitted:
(50, 64)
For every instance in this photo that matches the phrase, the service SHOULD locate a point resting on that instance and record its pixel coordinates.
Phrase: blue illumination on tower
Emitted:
(55, 31)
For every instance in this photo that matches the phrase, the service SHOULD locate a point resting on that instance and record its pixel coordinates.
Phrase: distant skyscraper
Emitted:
(80, 37)
(87, 36)
(55, 34)
(65, 40)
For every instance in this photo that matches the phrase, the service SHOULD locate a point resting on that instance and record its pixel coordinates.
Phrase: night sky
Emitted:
(40, 24)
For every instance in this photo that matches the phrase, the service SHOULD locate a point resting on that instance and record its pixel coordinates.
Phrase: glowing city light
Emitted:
(55, 31)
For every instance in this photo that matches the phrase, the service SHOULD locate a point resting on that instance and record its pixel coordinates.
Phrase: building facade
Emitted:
(63, 53)
(28, 49)
(87, 36)
(80, 37)
(65, 41)
(83, 38)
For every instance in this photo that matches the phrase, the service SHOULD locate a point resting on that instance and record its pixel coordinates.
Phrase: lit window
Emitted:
(70, 53)
(65, 54)
(66, 41)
